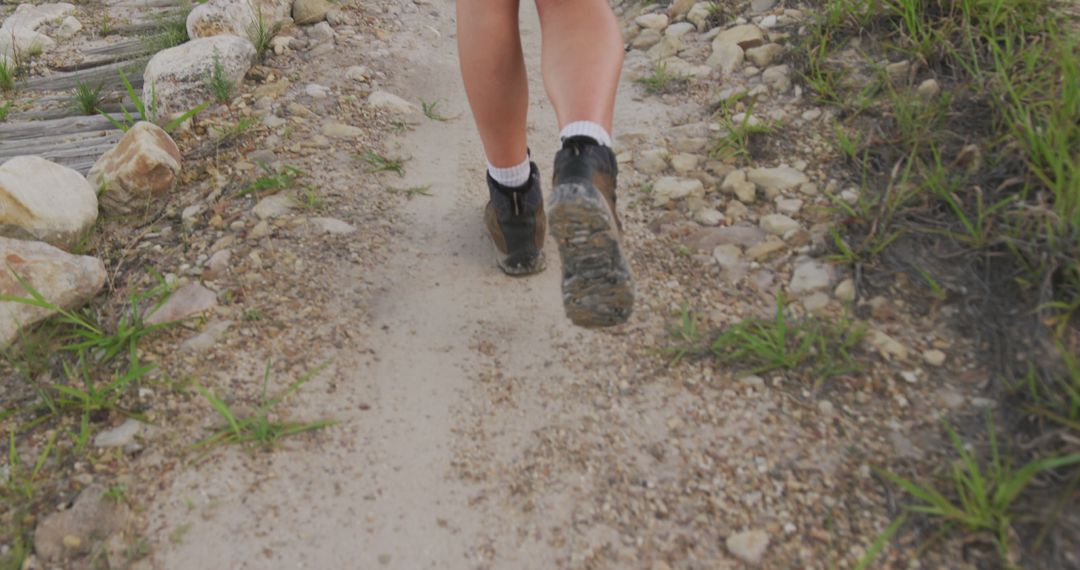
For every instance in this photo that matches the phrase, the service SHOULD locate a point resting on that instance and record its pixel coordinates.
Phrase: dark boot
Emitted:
(597, 288)
(515, 219)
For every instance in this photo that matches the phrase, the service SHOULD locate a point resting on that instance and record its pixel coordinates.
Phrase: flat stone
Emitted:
(207, 338)
(306, 12)
(764, 56)
(274, 206)
(726, 57)
(809, 276)
(886, 345)
(708, 217)
(341, 131)
(670, 188)
(74, 532)
(748, 546)
(647, 39)
(778, 78)
(778, 224)
(120, 435)
(759, 6)
(187, 301)
(651, 161)
(780, 178)
(390, 102)
(684, 163)
(745, 36)
(845, 291)
(652, 21)
(707, 239)
(815, 302)
(679, 30)
(934, 357)
(333, 226)
(766, 249)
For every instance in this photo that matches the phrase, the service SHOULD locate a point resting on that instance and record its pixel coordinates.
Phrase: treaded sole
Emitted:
(597, 288)
(536, 265)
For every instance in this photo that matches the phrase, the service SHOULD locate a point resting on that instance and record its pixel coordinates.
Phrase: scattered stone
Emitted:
(135, 175)
(746, 192)
(218, 264)
(886, 345)
(333, 226)
(815, 302)
(729, 258)
(680, 8)
(208, 338)
(651, 161)
(45, 201)
(789, 206)
(928, 89)
(764, 56)
(177, 76)
(684, 163)
(74, 532)
(778, 224)
(709, 217)
(69, 27)
(706, 239)
(306, 12)
(758, 6)
(190, 216)
(809, 276)
(669, 188)
(667, 47)
(748, 546)
(322, 33)
(780, 178)
(765, 249)
(64, 280)
(391, 102)
(120, 435)
(646, 39)
(934, 357)
(358, 73)
(845, 291)
(274, 206)
(653, 21)
(777, 78)
(699, 15)
(726, 57)
(341, 131)
(745, 36)
(187, 301)
(733, 178)
(679, 30)
(811, 114)
(225, 17)
(898, 72)
(316, 91)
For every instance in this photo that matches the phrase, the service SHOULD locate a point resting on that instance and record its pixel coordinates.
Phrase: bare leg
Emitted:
(581, 59)
(493, 69)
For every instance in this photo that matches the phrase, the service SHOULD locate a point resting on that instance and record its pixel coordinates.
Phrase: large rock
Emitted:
(19, 30)
(45, 201)
(63, 279)
(670, 188)
(745, 36)
(780, 178)
(236, 17)
(187, 301)
(136, 173)
(177, 76)
(74, 532)
(310, 11)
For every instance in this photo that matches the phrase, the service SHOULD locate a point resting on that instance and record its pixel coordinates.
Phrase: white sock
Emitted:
(586, 129)
(513, 176)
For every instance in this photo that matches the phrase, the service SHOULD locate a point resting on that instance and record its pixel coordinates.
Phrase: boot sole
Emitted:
(537, 265)
(597, 288)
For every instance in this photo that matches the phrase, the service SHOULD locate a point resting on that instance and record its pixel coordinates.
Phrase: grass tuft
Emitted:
(662, 81)
(380, 163)
(87, 98)
(221, 87)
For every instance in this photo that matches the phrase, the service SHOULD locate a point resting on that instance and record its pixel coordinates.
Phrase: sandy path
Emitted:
(379, 490)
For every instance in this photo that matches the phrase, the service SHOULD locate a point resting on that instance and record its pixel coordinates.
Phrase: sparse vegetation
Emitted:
(261, 34)
(170, 32)
(272, 181)
(412, 191)
(4, 110)
(380, 163)
(8, 72)
(431, 112)
(87, 98)
(218, 81)
(662, 80)
(147, 110)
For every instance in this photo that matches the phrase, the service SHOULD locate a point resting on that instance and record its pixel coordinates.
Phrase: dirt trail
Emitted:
(380, 489)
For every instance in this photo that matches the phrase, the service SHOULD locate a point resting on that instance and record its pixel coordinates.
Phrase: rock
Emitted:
(810, 276)
(28, 16)
(75, 531)
(845, 291)
(316, 91)
(281, 44)
(748, 546)
(69, 27)
(746, 192)
(680, 8)
(341, 131)
(684, 163)
(778, 224)
(218, 264)
(177, 76)
(64, 280)
(391, 102)
(653, 21)
(45, 201)
(769, 21)
(745, 36)
(758, 6)
(235, 17)
(333, 226)
(135, 175)
(727, 255)
(811, 114)
(708, 217)
(306, 12)
(733, 178)
(679, 30)
(726, 58)
(707, 239)
(187, 301)
(765, 249)
(777, 78)
(652, 161)
(274, 207)
(321, 33)
(789, 206)
(779, 178)
(898, 72)
(358, 73)
(190, 216)
(815, 302)
(934, 357)
(206, 339)
(764, 56)
(736, 210)
(120, 435)
(667, 47)
(669, 188)
(928, 89)
(887, 346)
(699, 15)
(647, 39)
(679, 67)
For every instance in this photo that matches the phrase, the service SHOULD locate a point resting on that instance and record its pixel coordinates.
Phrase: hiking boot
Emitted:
(515, 220)
(597, 287)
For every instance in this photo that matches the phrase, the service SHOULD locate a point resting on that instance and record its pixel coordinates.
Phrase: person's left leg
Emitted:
(582, 59)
